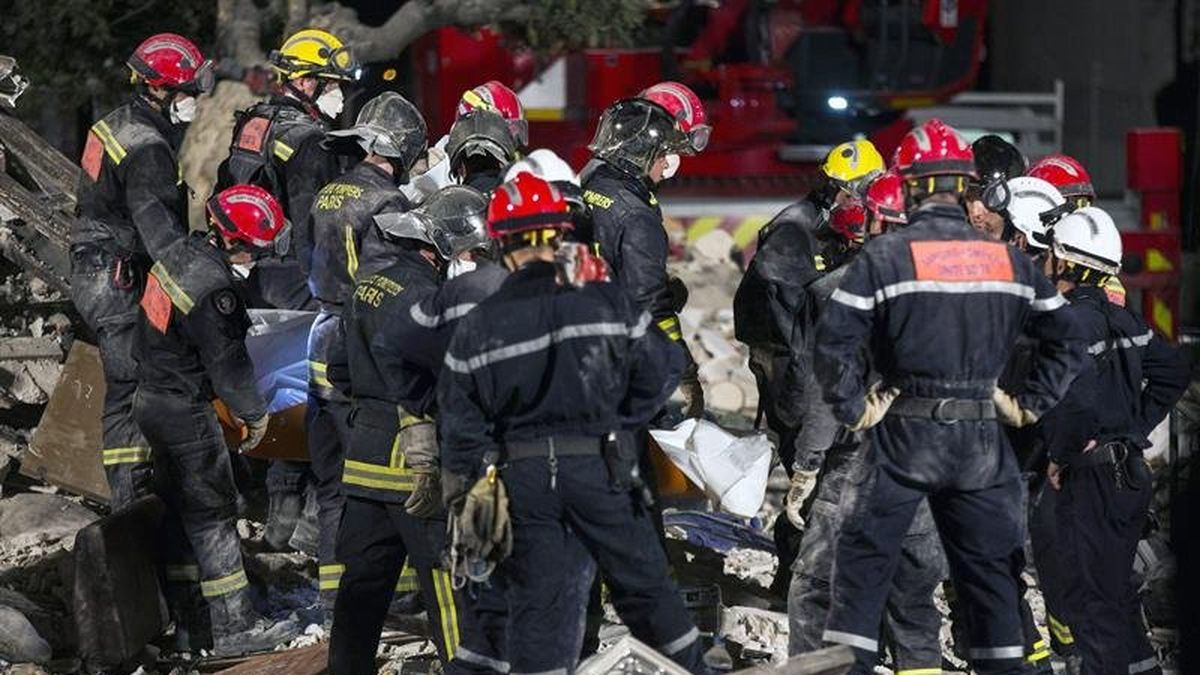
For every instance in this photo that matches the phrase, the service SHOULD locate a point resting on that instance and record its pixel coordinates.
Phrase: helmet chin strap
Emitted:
(309, 102)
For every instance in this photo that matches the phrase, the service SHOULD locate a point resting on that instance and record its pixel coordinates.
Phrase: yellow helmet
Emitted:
(313, 52)
(853, 163)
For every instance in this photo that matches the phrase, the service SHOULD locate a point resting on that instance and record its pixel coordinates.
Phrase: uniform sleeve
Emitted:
(464, 429)
(308, 169)
(1067, 427)
(653, 373)
(154, 198)
(644, 269)
(839, 356)
(217, 327)
(1060, 352)
(1165, 371)
(337, 360)
(425, 329)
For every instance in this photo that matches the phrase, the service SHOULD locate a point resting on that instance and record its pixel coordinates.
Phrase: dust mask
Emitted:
(671, 167)
(183, 109)
(459, 267)
(331, 102)
(242, 270)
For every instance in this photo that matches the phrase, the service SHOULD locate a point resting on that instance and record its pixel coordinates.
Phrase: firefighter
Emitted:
(391, 132)
(278, 145)
(393, 496)
(996, 162)
(480, 149)
(939, 307)
(1095, 440)
(767, 303)
(914, 621)
(544, 384)
(132, 207)
(191, 349)
(637, 145)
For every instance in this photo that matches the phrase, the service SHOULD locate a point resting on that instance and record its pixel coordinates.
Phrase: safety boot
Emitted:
(307, 536)
(190, 614)
(283, 512)
(239, 629)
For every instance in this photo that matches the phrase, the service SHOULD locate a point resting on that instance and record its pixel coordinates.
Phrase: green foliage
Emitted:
(74, 51)
(563, 25)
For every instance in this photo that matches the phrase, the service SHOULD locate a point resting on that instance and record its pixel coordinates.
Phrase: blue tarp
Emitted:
(278, 345)
(720, 532)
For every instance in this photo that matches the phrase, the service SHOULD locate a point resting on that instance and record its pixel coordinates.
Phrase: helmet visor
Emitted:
(520, 131)
(454, 235)
(202, 81)
(698, 138)
(340, 64)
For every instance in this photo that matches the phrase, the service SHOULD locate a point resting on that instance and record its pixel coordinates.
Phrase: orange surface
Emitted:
(671, 481)
(286, 437)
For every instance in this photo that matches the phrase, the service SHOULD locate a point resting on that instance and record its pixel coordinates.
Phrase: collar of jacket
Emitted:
(374, 174)
(285, 101)
(537, 272)
(639, 185)
(144, 111)
(1087, 294)
(931, 210)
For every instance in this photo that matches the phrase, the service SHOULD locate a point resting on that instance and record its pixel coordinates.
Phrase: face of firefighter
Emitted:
(658, 170)
(842, 197)
(987, 222)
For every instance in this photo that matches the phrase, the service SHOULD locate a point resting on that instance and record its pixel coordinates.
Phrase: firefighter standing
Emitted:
(552, 379)
(278, 145)
(772, 319)
(132, 206)
(391, 132)
(940, 307)
(914, 622)
(191, 349)
(393, 506)
(480, 149)
(1095, 440)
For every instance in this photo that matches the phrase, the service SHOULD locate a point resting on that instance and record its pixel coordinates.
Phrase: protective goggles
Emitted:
(202, 81)
(697, 137)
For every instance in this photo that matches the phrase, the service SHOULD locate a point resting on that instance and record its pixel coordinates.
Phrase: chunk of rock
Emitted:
(714, 246)
(19, 640)
(48, 517)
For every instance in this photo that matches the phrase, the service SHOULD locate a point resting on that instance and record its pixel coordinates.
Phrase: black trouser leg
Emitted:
(328, 436)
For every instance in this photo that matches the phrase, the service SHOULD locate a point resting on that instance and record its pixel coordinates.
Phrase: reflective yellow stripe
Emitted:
(282, 151)
(178, 297)
(396, 459)
(1039, 655)
(920, 671)
(351, 253)
(446, 611)
(114, 149)
(1040, 644)
(408, 581)
(329, 577)
(133, 455)
(670, 326)
(819, 262)
(224, 585)
(1060, 630)
(318, 374)
(375, 476)
(182, 573)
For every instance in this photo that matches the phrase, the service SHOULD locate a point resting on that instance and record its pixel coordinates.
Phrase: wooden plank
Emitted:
(312, 660)
(50, 223)
(48, 167)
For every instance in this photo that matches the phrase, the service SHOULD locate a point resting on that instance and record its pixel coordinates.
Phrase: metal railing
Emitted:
(1033, 120)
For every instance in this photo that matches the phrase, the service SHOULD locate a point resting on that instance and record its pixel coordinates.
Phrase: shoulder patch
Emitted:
(225, 301)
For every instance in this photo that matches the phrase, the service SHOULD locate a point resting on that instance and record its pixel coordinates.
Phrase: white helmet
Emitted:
(544, 164)
(1030, 198)
(1089, 237)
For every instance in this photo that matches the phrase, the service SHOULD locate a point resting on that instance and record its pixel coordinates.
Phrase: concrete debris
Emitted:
(25, 348)
(758, 631)
(19, 640)
(44, 518)
(29, 382)
(713, 247)
(751, 565)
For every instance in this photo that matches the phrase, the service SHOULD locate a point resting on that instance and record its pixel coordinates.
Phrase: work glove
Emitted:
(482, 534)
(875, 406)
(256, 431)
(1009, 410)
(679, 293)
(803, 484)
(454, 490)
(693, 393)
(418, 440)
(425, 500)
(577, 265)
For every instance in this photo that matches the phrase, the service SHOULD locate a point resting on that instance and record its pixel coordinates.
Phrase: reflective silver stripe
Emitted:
(850, 639)
(1048, 304)
(681, 643)
(464, 654)
(1014, 652)
(1122, 343)
(639, 329)
(452, 314)
(1142, 666)
(852, 300)
(535, 345)
(953, 287)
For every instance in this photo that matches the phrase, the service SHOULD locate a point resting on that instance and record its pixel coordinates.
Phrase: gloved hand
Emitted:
(803, 483)
(679, 293)
(876, 404)
(1009, 410)
(256, 431)
(577, 265)
(693, 393)
(425, 500)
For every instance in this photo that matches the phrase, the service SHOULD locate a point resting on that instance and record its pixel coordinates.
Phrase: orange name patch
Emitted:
(253, 134)
(93, 156)
(961, 261)
(156, 304)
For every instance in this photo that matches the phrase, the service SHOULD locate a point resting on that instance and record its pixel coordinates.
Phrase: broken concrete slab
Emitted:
(65, 449)
(47, 517)
(118, 603)
(19, 640)
(29, 382)
(25, 348)
(828, 661)
(629, 655)
(714, 246)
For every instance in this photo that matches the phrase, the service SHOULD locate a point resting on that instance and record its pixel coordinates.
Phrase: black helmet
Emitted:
(453, 220)
(997, 160)
(389, 126)
(481, 134)
(635, 132)
(12, 85)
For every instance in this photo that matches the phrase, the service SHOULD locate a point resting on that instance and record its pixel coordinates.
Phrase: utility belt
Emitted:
(943, 410)
(619, 450)
(1129, 467)
(383, 415)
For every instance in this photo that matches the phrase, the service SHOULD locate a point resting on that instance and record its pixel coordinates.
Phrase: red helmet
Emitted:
(250, 215)
(683, 104)
(497, 98)
(173, 62)
(934, 149)
(1065, 173)
(849, 220)
(527, 204)
(885, 199)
